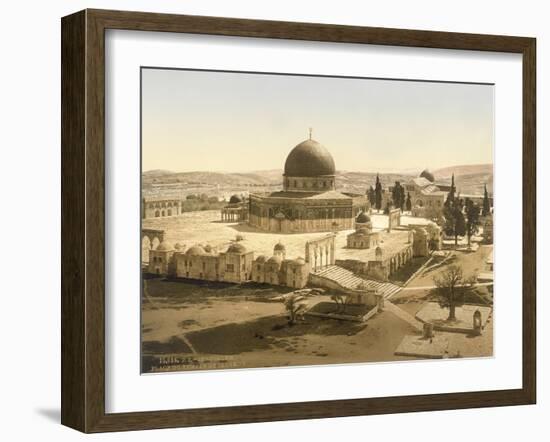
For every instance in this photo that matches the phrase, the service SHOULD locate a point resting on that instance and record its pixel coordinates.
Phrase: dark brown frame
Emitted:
(83, 215)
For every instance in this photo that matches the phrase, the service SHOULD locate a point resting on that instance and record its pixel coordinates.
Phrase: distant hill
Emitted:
(470, 169)
(210, 178)
(469, 179)
(157, 172)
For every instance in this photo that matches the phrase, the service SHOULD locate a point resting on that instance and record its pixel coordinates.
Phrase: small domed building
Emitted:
(363, 221)
(427, 196)
(427, 175)
(277, 270)
(160, 259)
(236, 210)
(279, 250)
(205, 263)
(363, 238)
(309, 201)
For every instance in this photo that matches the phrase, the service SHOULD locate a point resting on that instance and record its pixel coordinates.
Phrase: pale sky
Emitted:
(238, 122)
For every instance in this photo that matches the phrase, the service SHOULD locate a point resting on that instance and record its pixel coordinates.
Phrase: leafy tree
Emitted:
(472, 219)
(455, 224)
(408, 204)
(378, 194)
(295, 306)
(398, 195)
(451, 287)
(371, 196)
(486, 202)
(340, 301)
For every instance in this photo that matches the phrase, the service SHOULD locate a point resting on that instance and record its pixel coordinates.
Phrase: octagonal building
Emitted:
(309, 201)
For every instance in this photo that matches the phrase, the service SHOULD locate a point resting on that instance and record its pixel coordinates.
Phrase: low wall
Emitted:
(353, 265)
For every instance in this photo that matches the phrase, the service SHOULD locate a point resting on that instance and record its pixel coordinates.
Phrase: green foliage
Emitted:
(398, 195)
(408, 204)
(195, 203)
(472, 219)
(378, 193)
(455, 223)
(371, 195)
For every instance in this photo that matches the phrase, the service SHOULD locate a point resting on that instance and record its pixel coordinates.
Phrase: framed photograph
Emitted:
(269, 220)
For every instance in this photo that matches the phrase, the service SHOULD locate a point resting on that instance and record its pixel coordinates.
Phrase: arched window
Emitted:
(163, 213)
(169, 212)
(157, 213)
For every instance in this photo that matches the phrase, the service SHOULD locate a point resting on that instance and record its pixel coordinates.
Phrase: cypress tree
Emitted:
(378, 194)
(451, 195)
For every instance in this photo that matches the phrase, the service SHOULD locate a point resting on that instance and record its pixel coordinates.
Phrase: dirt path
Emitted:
(428, 287)
(402, 314)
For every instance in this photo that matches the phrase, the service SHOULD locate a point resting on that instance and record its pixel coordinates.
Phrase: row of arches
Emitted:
(320, 253)
(150, 240)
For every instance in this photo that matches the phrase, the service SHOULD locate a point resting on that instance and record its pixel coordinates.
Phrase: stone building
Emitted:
(157, 208)
(427, 197)
(433, 233)
(235, 210)
(394, 250)
(363, 238)
(204, 263)
(421, 242)
(309, 201)
(277, 270)
(161, 259)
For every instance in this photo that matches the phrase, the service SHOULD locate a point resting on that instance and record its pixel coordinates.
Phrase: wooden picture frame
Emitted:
(83, 220)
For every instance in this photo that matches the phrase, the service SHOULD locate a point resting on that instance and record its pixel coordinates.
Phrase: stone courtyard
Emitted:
(205, 228)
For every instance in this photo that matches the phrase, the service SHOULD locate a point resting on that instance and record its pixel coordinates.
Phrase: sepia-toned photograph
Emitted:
(300, 220)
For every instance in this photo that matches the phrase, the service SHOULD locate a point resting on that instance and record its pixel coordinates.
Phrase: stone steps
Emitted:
(349, 280)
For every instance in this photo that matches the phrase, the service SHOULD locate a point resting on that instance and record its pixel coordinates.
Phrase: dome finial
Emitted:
(310, 132)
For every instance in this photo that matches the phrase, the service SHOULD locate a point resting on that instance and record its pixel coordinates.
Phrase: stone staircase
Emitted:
(349, 280)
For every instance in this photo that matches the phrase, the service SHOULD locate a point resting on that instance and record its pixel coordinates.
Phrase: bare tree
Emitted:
(451, 287)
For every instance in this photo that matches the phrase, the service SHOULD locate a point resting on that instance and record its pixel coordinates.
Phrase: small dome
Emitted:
(279, 247)
(178, 246)
(195, 250)
(165, 246)
(362, 218)
(261, 258)
(235, 199)
(208, 248)
(299, 261)
(236, 248)
(275, 259)
(428, 175)
(309, 159)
